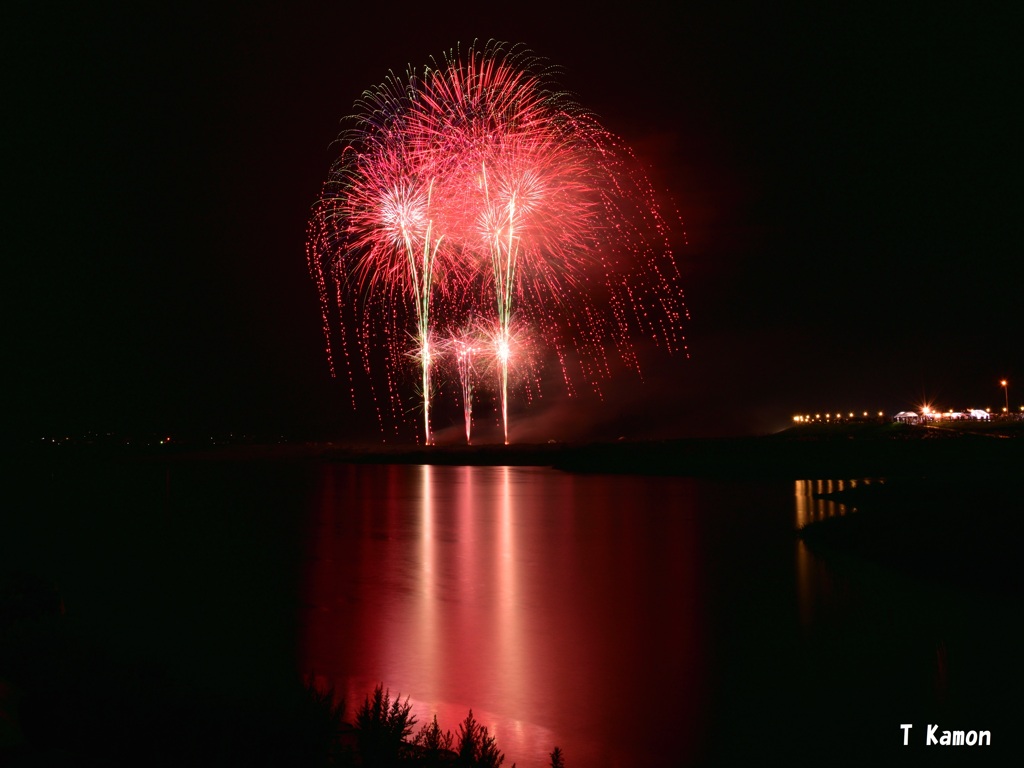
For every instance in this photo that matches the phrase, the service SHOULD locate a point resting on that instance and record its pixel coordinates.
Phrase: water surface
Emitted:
(627, 620)
(550, 604)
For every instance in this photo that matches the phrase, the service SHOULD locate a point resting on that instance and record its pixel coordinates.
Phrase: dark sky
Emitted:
(850, 182)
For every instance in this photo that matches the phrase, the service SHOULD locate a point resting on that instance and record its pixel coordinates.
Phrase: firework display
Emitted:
(475, 196)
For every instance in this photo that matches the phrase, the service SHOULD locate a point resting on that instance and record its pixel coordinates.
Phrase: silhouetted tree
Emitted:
(477, 749)
(381, 727)
(321, 718)
(434, 743)
(557, 759)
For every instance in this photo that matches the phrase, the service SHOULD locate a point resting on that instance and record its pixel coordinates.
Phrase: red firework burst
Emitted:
(475, 190)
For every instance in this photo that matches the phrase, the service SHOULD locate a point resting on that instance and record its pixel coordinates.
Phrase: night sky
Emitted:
(850, 183)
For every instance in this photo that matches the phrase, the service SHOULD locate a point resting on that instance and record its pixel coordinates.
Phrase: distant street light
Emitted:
(1006, 394)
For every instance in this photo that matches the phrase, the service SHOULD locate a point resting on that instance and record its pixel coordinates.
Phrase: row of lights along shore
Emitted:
(808, 419)
(926, 411)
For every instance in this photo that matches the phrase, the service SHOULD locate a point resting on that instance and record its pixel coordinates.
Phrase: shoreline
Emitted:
(801, 453)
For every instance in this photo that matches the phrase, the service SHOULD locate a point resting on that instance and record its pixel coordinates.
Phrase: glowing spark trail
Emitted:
(476, 189)
(462, 347)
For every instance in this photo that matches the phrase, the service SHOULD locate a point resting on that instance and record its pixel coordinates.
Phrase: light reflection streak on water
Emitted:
(814, 580)
(428, 567)
(511, 642)
(476, 587)
(484, 564)
(810, 507)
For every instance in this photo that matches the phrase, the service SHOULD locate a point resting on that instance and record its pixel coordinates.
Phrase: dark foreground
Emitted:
(945, 516)
(961, 530)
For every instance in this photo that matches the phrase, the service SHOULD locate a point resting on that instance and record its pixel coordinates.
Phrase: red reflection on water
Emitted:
(563, 610)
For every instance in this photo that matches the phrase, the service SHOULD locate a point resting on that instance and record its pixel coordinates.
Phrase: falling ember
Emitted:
(475, 190)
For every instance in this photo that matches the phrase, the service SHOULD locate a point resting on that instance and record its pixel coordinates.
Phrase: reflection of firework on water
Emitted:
(476, 190)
